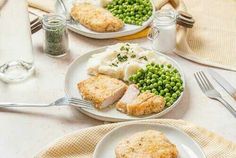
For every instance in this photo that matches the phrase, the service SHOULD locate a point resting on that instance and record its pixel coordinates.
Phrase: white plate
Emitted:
(78, 72)
(186, 146)
(126, 30)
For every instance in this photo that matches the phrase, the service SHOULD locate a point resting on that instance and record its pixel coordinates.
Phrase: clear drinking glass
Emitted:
(16, 57)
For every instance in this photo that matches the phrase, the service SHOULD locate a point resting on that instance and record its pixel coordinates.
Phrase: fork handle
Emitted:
(227, 105)
(22, 105)
(6, 105)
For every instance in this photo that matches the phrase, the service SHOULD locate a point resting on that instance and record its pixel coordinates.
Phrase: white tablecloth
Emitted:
(24, 131)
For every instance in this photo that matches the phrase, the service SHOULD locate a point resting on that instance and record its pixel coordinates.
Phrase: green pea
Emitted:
(168, 104)
(141, 70)
(141, 82)
(168, 94)
(171, 101)
(168, 86)
(139, 74)
(150, 74)
(153, 80)
(178, 93)
(172, 79)
(163, 77)
(135, 76)
(148, 88)
(159, 83)
(167, 78)
(167, 99)
(153, 69)
(169, 65)
(154, 76)
(148, 81)
(162, 93)
(145, 88)
(155, 85)
(172, 84)
(144, 12)
(178, 84)
(166, 90)
(154, 90)
(175, 70)
(152, 86)
(165, 82)
(174, 95)
(159, 88)
(175, 88)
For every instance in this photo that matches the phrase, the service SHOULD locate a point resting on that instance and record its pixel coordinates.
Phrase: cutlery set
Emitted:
(212, 93)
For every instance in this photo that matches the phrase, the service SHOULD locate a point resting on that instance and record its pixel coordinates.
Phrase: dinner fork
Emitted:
(59, 102)
(210, 91)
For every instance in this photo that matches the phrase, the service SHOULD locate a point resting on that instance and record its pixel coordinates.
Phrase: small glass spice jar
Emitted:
(56, 35)
(163, 31)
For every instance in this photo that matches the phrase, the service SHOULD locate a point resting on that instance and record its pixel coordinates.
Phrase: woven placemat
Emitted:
(81, 144)
(212, 39)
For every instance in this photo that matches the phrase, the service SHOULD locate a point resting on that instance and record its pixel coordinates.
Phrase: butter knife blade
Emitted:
(223, 83)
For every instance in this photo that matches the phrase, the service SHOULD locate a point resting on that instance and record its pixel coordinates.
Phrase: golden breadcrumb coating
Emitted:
(147, 144)
(100, 89)
(95, 18)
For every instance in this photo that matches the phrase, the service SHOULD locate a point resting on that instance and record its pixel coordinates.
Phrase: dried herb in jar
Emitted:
(56, 36)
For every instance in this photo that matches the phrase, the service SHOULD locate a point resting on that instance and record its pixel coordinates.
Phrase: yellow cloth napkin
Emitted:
(81, 144)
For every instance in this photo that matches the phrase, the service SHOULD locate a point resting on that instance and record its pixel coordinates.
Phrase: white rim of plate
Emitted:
(147, 124)
(115, 119)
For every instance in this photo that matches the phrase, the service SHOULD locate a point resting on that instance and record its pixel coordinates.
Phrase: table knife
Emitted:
(223, 83)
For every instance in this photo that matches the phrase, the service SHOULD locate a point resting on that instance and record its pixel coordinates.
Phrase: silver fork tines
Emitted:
(81, 103)
(210, 91)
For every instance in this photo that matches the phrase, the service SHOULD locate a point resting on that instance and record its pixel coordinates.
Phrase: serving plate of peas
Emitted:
(136, 15)
(165, 79)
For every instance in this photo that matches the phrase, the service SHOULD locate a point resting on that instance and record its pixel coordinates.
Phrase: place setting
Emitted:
(132, 87)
